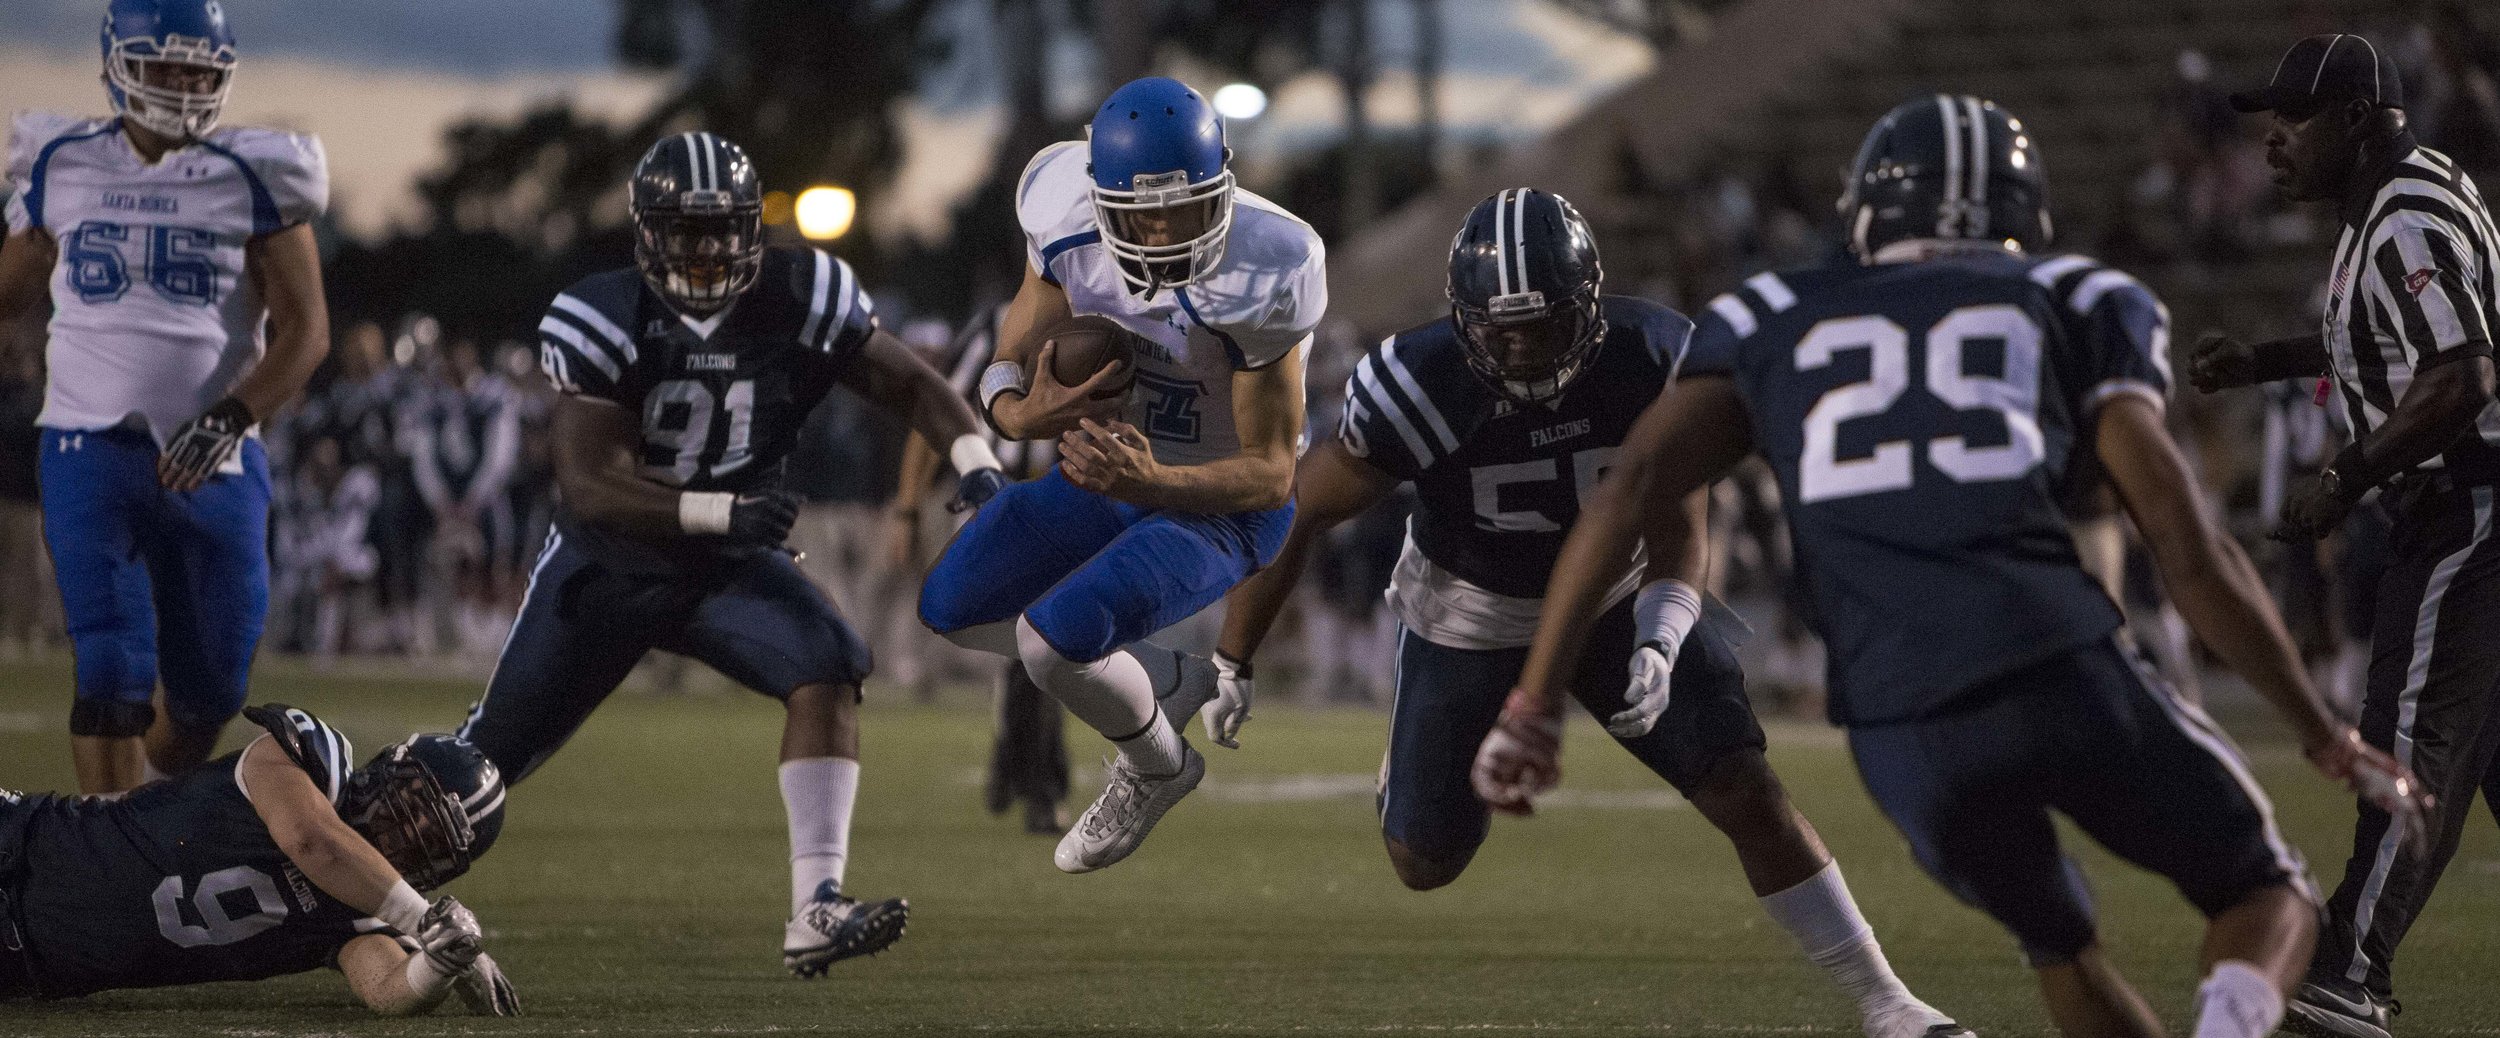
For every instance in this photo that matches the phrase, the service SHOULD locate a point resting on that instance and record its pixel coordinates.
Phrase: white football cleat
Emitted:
(833, 928)
(1913, 1020)
(1130, 805)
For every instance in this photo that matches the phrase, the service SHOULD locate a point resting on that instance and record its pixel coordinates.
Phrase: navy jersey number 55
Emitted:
(1923, 419)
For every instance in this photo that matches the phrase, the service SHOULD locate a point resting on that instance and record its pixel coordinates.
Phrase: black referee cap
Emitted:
(2326, 70)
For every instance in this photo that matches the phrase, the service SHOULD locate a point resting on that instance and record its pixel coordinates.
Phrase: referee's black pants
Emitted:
(2434, 676)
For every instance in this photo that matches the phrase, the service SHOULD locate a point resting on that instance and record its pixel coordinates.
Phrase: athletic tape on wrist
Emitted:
(705, 513)
(996, 380)
(1665, 612)
(403, 909)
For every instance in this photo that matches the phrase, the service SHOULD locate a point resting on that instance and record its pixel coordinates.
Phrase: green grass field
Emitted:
(639, 889)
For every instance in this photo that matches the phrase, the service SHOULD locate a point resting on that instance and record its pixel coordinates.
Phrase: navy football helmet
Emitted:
(432, 805)
(168, 64)
(1524, 285)
(1162, 194)
(1948, 166)
(698, 221)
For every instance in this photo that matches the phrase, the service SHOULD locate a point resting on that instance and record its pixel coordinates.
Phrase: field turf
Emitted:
(640, 887)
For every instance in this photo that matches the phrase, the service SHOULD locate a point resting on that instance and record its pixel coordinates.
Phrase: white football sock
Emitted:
(817, 792)
(2237, 1001)
(1825, 921)
(1113, 695)
(1156, 750)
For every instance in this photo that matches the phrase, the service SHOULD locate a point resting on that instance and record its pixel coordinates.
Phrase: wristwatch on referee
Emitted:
(2348, 477)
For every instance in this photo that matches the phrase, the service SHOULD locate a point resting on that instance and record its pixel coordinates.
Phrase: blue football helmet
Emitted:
(1162, 194)
(168, 64)
(1951, 167)
(432, 805)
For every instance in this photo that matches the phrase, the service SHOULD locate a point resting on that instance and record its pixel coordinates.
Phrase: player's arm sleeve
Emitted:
(2124, 335)
(840, 316)
(2427, 280)
(322, 752)
(582, 349)
(1717, 333)
(1388, 421)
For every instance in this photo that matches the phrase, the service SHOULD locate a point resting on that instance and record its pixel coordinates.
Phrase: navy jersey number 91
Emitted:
(1924, 420)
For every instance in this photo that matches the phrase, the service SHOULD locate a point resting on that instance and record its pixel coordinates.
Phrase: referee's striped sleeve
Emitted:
(2426, 271)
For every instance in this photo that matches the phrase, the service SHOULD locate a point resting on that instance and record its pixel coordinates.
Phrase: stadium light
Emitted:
(825, 213)
(1240, 101)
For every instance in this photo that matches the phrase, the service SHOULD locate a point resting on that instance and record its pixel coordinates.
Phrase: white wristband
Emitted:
(1000, 378)
(1665, 612)
(705, 513)
(403, 908)
(972, 452)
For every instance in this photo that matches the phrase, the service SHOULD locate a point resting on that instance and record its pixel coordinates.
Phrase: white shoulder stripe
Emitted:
(2046, 274)
(1774, 292)
(1367, 381)
(846, 294)
(563, 332)
(816, 299)
(1423, 404)
(2088, 292)
(618, 342)
(1734, 311)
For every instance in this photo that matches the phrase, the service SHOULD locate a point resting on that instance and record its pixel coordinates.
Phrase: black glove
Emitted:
(975, 488)
(202, 445)
(763, 518)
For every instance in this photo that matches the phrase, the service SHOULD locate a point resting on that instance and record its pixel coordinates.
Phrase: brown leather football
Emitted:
(1086, 345)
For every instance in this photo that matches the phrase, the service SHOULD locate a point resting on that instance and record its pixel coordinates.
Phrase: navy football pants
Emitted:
(152, 580)
(583, 627)
(1448, 699)
(2090, 735)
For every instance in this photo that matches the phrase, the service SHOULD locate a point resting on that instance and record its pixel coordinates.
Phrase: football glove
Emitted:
(2387, 785)
(1231, 707)
(1521, 757)
(203, 445)
(486, 991)
(975, 488)
(449, 937)
(1652, 665)
(763, 518)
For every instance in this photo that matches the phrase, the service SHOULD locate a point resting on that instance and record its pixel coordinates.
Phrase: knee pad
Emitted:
(110, 719)
(1043, 662)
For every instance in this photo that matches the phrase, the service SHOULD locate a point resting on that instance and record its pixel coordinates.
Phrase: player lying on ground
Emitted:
(171, 245)
(1922, 411)
(276, 859)
(1140, 525)
(684, 382)
(1503, 414)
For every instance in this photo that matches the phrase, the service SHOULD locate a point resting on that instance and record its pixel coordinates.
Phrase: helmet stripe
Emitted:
(1952, 166)
(1976, 224)
(477, 814)
(694, 165)
(1501, 241)
(1519, 236)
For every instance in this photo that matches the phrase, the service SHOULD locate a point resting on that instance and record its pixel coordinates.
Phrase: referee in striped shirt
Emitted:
(2407, 340)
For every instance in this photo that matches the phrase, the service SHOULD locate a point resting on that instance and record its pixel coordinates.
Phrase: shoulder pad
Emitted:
(322, 751)
(1053, 200)
(1664, 332)
(30, 131)
(290, 169)
(585, 341)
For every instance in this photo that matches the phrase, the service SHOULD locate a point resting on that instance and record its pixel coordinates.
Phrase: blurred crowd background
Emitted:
(414, 479)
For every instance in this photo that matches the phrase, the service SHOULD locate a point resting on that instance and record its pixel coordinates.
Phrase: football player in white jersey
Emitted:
(1164, 497)
(167, 243)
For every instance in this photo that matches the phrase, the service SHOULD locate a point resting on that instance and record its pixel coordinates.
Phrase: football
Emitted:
(1088, 344)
